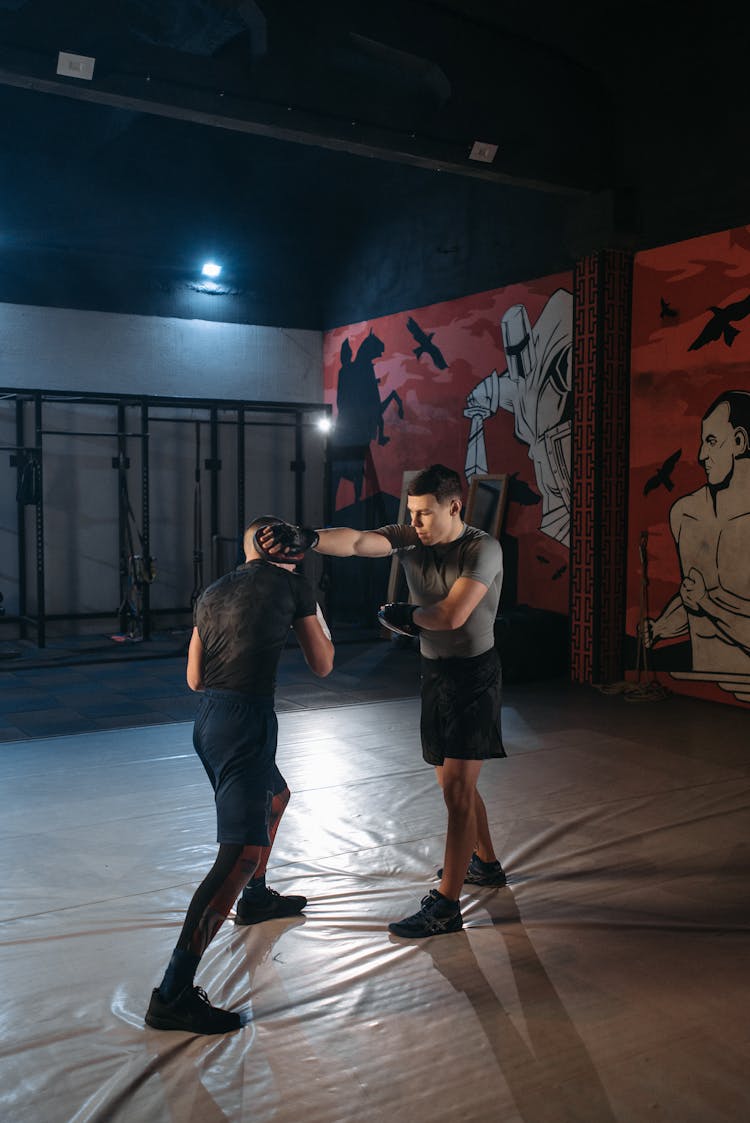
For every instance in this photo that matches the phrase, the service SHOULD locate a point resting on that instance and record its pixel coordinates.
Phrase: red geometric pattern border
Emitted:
(602, 285)
(583, 489)
(613, 461)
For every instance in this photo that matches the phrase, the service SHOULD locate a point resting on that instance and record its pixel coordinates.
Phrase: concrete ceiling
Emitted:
(322, 151)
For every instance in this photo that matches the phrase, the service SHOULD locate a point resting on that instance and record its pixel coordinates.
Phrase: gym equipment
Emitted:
(197, 522)
(137, 569)
(148, 417)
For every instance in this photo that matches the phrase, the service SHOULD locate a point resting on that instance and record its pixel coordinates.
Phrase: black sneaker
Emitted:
(436, 917)
(270, 906)
(190, 1011)
(483, 873)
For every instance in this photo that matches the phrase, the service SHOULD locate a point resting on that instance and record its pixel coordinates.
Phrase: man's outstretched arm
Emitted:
(344, 542)
(338, 542)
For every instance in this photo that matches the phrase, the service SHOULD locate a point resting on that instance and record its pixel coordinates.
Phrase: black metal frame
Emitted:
(299, 413)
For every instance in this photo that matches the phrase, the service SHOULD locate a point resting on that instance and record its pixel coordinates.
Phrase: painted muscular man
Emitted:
(711, 530)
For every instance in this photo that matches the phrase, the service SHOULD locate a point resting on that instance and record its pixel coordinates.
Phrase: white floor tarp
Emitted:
(608, 982)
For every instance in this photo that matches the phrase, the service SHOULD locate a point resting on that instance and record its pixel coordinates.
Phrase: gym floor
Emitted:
(608, 983)
(64, 689)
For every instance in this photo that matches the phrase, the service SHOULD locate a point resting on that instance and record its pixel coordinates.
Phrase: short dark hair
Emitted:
(436, 480)
(739, 411)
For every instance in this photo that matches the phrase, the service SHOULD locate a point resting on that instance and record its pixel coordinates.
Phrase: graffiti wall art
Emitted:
(690, 465)
(482, 384)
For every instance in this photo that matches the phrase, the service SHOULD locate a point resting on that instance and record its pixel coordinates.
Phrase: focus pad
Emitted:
(398, 617)
(292, 542)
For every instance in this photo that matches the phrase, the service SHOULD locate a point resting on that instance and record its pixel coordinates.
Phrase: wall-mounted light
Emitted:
(324, 424)
(207, 282)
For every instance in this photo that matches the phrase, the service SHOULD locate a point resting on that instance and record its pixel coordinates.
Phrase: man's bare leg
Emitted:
(458, 779)
(484, 848)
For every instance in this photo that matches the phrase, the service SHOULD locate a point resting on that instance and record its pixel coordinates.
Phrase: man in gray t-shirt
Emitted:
(454, 575)
(431, 571)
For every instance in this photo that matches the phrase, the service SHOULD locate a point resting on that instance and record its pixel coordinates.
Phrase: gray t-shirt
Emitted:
(431, 572)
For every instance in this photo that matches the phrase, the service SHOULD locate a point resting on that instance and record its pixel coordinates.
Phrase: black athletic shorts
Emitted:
(235, 737)
(461, 702)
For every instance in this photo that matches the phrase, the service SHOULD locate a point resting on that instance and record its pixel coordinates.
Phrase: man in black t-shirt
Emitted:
(242, 622)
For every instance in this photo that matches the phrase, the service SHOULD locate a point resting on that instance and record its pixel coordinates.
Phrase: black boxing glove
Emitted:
(288, 543)
(399, 618)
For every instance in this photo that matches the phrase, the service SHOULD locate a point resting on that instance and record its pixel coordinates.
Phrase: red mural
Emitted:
(689, 464)
(417, 387)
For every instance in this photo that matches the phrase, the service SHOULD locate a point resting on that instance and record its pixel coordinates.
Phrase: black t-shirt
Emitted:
(243, 620)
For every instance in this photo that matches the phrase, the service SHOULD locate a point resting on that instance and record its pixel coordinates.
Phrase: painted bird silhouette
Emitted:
(520, 492)
(426, 346)
(664, 474)
(719, 325)
(667, 311)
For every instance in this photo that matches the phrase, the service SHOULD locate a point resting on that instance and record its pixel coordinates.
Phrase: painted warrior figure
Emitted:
(535, 388)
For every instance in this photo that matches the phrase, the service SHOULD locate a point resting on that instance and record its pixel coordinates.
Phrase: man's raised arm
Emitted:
(344, 542)
(281, 542)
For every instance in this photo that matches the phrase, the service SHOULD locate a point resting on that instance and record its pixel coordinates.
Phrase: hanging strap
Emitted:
(197, 522)
(28, 490)
(138, 569)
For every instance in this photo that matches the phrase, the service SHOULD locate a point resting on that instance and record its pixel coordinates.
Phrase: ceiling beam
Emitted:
(293, 126)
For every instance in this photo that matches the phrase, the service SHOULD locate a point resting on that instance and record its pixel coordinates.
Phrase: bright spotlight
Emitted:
(324, 424)
(211, 269)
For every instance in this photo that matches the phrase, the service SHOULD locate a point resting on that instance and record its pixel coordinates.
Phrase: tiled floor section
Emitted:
(52, 701)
